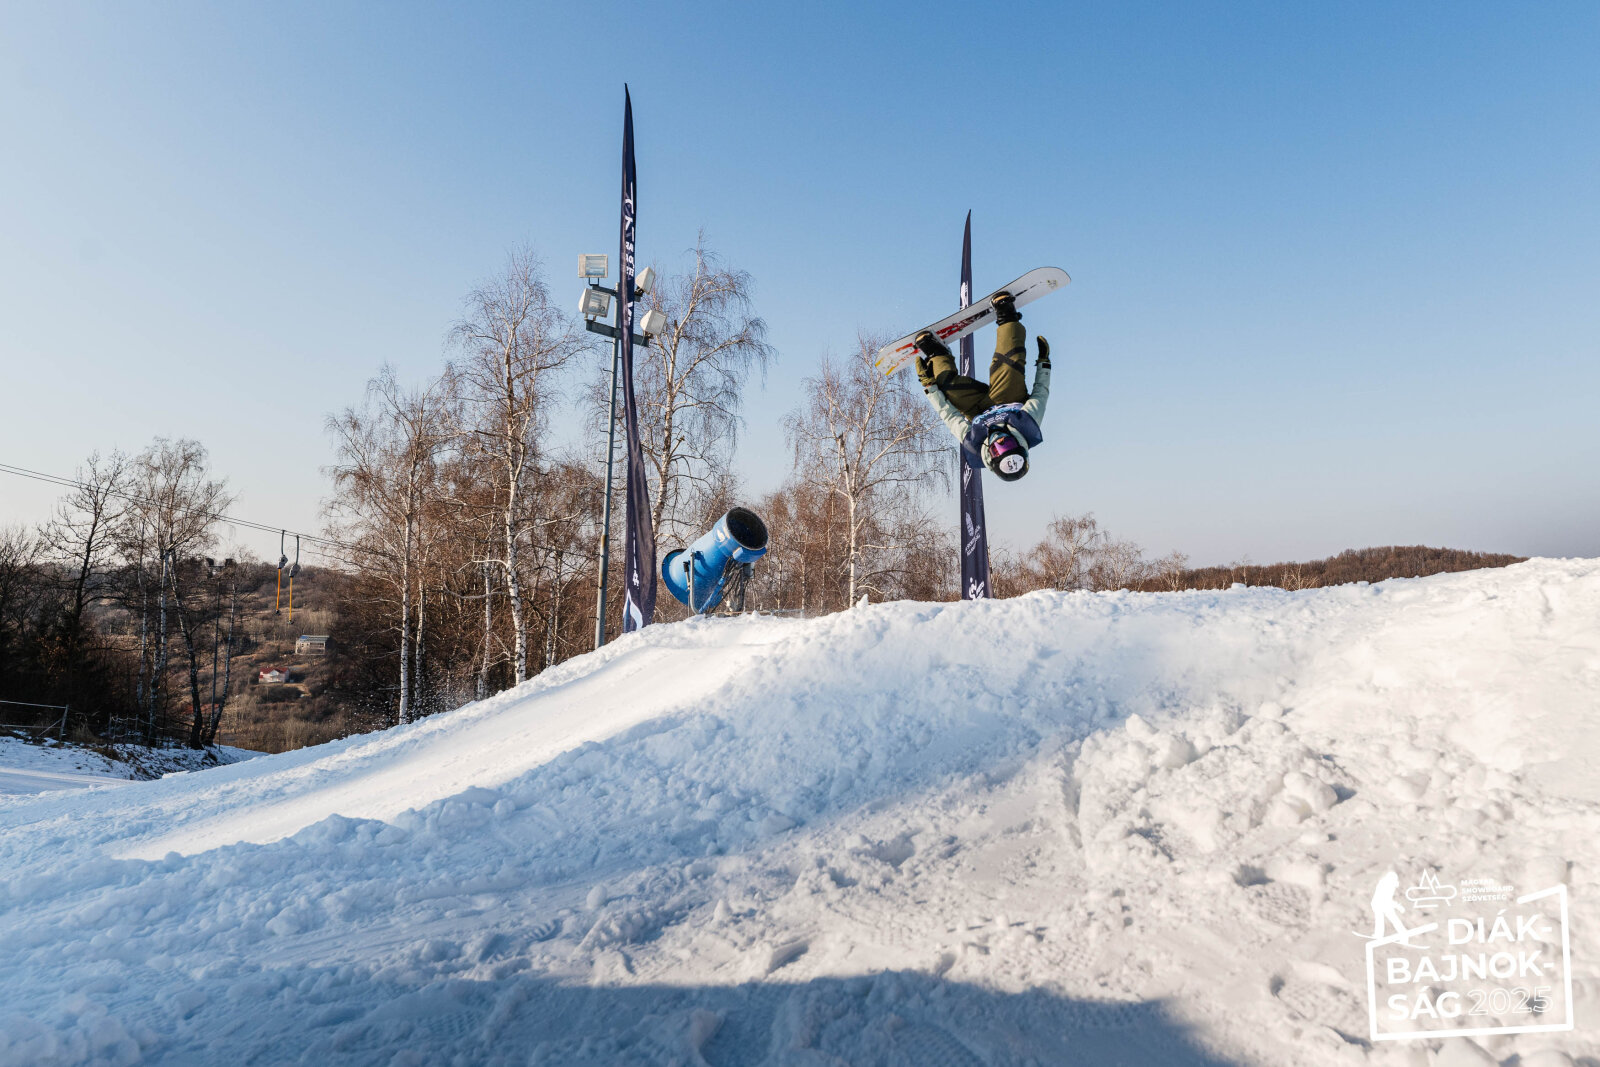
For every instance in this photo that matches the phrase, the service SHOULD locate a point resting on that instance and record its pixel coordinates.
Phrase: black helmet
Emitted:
(1005, 454)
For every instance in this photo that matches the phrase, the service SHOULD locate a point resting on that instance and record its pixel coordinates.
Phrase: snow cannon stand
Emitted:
(722, 559)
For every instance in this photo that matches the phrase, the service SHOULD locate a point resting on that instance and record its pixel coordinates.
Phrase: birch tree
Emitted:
(869, 440)
(386, 469)
(1118, 565)
(689, 385)
(1066, 555)
(174, 510)
(511, 339)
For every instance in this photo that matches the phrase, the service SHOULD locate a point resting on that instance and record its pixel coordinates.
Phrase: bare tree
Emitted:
(1296, 576)
(219, 686)
(1009, 575)
(175, 506)
(1117, 565)
(1170, 570)
(81, 536)
(511, 338)
(566, 524)
(689, 384)
(1066, 555)
(1076, 553)
(468, 516)
(796, 573)
(869, 440)
(386, 469)
(19, 565)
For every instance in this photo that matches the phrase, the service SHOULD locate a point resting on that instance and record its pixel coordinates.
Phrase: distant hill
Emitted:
(1351, 565)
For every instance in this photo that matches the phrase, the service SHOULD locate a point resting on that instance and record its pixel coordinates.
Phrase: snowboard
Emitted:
(1026, 289)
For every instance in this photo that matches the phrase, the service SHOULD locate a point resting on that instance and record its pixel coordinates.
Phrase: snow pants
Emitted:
(1008, 379)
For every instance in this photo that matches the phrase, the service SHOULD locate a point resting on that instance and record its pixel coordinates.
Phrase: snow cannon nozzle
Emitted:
(721, 560)
(746, 527)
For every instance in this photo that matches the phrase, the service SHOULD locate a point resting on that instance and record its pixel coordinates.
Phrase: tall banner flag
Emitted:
(974, 531)
(639, 551)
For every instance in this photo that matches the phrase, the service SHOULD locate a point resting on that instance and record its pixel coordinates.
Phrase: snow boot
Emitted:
(930, 345)
(1005, 308)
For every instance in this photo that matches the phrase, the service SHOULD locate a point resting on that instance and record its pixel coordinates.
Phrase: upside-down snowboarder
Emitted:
(997, 422)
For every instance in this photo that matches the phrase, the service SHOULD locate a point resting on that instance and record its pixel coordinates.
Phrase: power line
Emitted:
(72, 483)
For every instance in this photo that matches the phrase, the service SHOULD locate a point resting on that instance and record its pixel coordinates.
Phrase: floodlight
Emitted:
(594, 266)
(652, 322)
(645, 283)
(594, 304)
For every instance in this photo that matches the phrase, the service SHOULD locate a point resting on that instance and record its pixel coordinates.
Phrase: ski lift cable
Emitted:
(133, 498)
(72, 483)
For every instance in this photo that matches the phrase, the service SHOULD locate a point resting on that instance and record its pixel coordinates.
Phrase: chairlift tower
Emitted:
(283, 561)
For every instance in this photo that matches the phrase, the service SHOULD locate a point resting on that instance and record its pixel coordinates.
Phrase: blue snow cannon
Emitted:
(700, 575)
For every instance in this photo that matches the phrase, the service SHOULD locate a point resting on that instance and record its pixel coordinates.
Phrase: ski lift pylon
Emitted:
(294, 570)
(283, 560)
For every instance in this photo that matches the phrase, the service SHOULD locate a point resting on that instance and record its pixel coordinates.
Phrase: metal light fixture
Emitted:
(645, 283)
(595, 303)
(594, 266)
(652, 322)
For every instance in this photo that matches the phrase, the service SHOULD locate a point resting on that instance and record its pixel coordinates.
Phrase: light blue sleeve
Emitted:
(954, 421)
(1040, 395)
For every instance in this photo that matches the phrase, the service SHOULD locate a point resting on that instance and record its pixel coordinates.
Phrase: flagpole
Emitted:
(973, 536)
(639, 542)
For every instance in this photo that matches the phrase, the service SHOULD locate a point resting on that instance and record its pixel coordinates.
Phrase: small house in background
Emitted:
(272, 677)
(311, 645)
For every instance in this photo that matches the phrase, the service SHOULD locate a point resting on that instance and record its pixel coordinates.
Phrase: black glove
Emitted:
(925, 372)
(1044, 352)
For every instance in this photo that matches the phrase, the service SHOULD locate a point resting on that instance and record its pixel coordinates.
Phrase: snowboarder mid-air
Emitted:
(996, 423)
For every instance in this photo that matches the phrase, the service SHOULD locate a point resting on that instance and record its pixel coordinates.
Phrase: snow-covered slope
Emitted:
(39, 766)
(1067, 828)
(34, 778)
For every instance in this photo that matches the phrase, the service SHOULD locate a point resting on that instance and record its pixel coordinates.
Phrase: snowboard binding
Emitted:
(928, 344)
(1005, 308)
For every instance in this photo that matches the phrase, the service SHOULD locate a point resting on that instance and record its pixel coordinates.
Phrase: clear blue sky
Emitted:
(1336, 267)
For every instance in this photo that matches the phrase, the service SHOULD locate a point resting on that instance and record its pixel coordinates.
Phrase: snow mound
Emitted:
(1119, 828)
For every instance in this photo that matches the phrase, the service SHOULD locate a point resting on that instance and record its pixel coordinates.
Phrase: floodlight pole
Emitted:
(643, 341)
(605, 527)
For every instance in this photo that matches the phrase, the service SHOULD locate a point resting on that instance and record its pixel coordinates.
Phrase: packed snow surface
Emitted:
(1066, 828)
(28, 766)
(35, 779)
